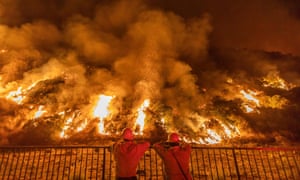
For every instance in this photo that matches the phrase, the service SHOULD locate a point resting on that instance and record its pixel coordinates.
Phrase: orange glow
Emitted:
(82, 126)
(213, 138)
(248, 109)
(273, 80)
(250, 96)
(226, 130)
(101, 110)
(252, 102)
(66, 127)
(16, 96)
(141, 115)
(3, 51)
(163, 121)
(39, 112)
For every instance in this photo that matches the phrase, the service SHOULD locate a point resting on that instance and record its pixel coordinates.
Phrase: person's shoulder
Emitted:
(145, 143)
(185, 145)
(123, 143)
(158, 145)
(142, 145)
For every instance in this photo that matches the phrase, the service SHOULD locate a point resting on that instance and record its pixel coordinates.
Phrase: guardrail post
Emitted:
(103, 166)
(236, 164)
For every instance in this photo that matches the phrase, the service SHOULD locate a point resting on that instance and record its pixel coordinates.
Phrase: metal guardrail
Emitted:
(245, 163)
(96, 162)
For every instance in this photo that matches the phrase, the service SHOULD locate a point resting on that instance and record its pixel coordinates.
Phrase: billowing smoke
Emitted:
(270, 25)
(58, 57)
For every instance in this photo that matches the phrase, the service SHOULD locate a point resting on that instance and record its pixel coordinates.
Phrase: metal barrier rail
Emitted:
(64, 162)
(96, 162)
(245, 163)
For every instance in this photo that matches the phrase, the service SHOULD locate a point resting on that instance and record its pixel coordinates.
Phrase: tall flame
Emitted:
(140, 121)
(66, 127)
(101, 111)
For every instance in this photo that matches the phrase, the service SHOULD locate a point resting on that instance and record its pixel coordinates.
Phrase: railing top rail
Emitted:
(250, 148)
(194, 147)
(56, 146)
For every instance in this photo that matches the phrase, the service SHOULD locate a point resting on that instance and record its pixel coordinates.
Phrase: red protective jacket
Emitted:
(127, 155)
(172, 168)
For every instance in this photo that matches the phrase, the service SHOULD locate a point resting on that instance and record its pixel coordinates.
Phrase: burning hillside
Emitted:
(85, 76)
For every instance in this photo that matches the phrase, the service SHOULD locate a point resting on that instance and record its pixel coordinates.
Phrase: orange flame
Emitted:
(39, 112)
(273, 80)
(163, 121)
(82, 126)
(19, 95)
(252, 101)
(141, 115)
(248, 109)
(16, 96)
(101, 111)
(66, 127)
(213, 138)
(250, 96)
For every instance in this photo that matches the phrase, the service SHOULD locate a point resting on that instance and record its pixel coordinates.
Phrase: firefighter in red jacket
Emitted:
(176, 157)
(127, 154)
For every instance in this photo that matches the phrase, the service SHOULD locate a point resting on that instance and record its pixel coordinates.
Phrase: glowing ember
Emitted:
(250, 96)
(61, 113)
(66, 127)
(226, 130)
(62, 134)
(16, 96)
(141, 116)
(213, 137)
(101, 111)
(163, 121)
(273, 80)
(40, 112)
(19, 95)
(248, 108)
(82, 126)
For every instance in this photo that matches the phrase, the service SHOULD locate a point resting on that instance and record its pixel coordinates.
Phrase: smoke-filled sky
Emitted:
(191, 57)
(271, 25)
